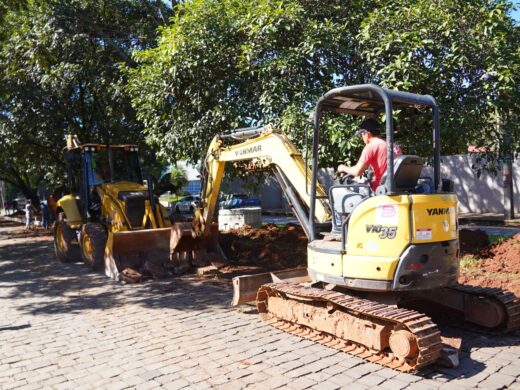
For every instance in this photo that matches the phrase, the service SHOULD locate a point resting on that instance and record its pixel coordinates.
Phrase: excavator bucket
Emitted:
(187, 248)
(246, 287)
(127, 252)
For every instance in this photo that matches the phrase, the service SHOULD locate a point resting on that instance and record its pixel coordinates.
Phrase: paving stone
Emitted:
(497, 381)
(177, 384)
(88, 332)
(371, 380)
(301, 383)
(342, 379)
(277, 381)
(394, 384)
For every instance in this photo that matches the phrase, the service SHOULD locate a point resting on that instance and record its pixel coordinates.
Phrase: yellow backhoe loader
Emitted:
(108, 218)
(376, 259)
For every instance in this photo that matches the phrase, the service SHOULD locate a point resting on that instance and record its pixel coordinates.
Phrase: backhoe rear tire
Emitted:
(93, 239)
(65, 241)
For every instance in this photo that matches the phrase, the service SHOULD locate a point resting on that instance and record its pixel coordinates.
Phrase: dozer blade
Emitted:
(246, 287)
(129, 245)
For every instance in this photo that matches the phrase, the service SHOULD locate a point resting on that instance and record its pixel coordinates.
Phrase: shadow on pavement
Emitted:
(37, 283)
(32, 281)
(15, 327)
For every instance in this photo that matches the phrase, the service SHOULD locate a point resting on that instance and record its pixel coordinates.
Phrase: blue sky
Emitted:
(516, 13)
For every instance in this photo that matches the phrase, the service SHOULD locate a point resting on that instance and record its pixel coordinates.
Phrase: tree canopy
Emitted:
(59, 75)
(175, 73)
(232, 63)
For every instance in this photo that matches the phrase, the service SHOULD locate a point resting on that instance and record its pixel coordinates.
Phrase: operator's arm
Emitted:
(356, 170)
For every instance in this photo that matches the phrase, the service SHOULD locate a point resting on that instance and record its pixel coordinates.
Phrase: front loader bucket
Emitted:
(159, 252)
(246, 287)
(187, 248)
(126, 253)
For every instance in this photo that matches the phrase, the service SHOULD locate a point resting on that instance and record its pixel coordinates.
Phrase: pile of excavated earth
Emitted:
(489, 265)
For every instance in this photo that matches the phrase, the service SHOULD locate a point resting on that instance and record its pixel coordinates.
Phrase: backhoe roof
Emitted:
(369, 99)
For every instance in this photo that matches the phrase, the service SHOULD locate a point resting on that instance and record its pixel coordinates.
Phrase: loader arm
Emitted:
(267, 148)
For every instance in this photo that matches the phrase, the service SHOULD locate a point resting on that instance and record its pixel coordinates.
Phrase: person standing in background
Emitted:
(28, 215)
(45, 215)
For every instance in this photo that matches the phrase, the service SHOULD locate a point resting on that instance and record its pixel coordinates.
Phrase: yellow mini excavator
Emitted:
(376, 259)
(105, 215)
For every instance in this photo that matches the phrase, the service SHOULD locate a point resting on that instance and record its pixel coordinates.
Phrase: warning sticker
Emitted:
(423, 234)
(387, 215)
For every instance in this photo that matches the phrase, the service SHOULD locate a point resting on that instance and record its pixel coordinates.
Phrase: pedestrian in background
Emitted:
(45, 215)
(6, 205)
(28, 215)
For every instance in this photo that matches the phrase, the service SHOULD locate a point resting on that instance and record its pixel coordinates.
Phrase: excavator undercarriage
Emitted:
(394, 330)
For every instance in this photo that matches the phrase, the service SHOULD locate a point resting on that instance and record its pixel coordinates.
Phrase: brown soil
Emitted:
(496, 266)
(252, 250)
(17, 230)
(474, 242)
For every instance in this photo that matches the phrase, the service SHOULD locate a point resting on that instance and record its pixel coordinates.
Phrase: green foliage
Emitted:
(178, 177)
(464, 53)
(232, 63)
(495, 239)
(59, 75)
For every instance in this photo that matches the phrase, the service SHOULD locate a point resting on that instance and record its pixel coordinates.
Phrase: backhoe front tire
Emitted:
(93, 239)
(65, 241)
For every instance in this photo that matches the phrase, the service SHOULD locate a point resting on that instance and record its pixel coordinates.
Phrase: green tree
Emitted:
(59, 75)
(464, 53)
(232, 63)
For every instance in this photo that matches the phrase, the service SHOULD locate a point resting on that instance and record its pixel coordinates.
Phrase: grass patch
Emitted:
(171, 198)
(495, 239)
(468, 262)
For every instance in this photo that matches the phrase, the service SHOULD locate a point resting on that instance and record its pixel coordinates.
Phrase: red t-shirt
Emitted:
(374, 154)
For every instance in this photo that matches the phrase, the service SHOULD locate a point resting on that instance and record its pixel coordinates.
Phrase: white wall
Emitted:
(484, 194)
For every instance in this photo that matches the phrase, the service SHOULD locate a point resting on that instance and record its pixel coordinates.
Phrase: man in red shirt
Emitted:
(374, 153)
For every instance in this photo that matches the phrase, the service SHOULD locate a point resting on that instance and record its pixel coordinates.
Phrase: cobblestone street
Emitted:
(65, 328)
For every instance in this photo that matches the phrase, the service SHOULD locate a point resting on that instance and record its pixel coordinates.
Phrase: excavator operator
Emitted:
(374, 153)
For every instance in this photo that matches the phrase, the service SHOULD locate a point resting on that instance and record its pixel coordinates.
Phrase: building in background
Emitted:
(193, 177)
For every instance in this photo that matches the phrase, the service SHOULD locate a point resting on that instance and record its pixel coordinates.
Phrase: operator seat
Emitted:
(343, 200)
(407, 171)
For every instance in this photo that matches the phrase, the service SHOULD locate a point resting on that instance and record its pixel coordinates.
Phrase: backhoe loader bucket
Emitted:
(126, 253)
(246, 287)
(159, 252)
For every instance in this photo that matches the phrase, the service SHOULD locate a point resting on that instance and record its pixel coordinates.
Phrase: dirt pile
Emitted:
(270, 247)
(499, 267)
(474, 242)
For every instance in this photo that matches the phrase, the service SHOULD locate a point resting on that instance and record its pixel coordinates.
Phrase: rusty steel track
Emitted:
(510, 302)
(421, 332)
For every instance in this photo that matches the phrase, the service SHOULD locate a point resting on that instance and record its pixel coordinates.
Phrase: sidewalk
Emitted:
(494, 219)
